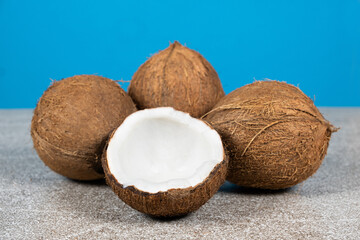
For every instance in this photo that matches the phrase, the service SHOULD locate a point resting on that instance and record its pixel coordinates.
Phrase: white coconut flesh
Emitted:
(159, 149)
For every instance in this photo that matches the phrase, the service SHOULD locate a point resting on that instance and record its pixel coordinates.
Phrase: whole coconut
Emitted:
(274, 134)
(72, 121)
(177, 77)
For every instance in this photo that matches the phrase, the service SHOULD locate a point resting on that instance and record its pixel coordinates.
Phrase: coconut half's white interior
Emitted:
(159, 149)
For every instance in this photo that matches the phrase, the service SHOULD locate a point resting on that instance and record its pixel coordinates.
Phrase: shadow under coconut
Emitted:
(229, 187)
(167, 219)
(98, 182)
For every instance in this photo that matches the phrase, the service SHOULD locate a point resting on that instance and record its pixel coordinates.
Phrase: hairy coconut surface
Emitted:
(164, 163)
(274, 134)
(72, 121)
(177, 77)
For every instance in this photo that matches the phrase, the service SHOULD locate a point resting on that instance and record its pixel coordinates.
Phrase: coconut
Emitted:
(274, 134)
(163, 162)
(72, 121)
(177, 77)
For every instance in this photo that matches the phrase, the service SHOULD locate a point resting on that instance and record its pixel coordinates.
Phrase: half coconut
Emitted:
(164, 162)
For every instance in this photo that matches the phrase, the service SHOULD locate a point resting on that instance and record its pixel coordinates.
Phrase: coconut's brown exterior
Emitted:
(72, 121)
(274, 134)
(176, 77)
(174, 202)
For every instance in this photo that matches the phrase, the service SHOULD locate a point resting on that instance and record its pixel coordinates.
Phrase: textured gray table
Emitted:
(36, 203)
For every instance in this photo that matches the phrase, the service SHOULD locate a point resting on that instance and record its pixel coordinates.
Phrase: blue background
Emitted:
(312, 44)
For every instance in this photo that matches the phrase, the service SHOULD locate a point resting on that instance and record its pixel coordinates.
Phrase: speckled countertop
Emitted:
(36, 203)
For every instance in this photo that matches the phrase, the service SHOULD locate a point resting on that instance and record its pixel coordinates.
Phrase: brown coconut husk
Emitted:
(177, 77)
(172, 203)
(72, 121)
(274, 134)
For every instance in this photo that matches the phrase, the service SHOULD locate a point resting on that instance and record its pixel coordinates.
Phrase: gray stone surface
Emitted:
(36, 203)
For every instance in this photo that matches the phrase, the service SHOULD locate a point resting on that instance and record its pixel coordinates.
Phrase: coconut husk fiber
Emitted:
(274, 134)
(72, 121)
(177, 77)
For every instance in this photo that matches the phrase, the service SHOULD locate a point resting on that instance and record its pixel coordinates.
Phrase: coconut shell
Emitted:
(174, 202)
(72, 121)
(274, 134)
(176, 77)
